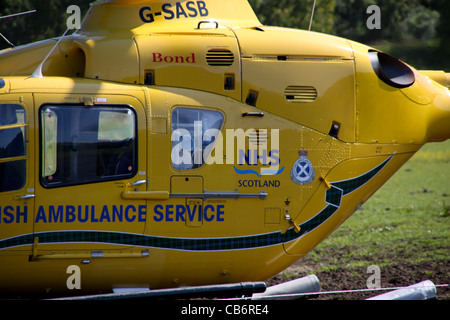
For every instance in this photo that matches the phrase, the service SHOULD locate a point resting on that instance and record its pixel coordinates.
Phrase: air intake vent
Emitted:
(258, 137)
(300, 94)
(220, 57)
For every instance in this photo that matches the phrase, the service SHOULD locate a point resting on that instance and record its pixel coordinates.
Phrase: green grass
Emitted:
(406, 221)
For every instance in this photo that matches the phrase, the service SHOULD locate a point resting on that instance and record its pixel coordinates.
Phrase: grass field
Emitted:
(409, 213)
(403, 229)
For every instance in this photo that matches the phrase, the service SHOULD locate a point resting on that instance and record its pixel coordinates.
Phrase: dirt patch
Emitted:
(356, 278)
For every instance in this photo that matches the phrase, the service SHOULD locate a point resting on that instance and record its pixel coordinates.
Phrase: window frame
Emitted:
(24, 126)
(193, 108)
(97, 179)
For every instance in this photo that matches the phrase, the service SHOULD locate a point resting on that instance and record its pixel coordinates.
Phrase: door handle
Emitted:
(207, 22)
(253, 114)
(28, 196)
(139, 183)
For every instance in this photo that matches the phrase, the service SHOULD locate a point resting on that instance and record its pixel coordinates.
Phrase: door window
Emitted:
(12, 147)
(194, 133)
(86, 145)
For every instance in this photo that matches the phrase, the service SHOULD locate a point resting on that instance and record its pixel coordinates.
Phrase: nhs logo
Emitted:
(199, 142)
(259, 153)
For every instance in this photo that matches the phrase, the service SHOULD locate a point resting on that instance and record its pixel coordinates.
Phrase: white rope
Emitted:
(293, 295)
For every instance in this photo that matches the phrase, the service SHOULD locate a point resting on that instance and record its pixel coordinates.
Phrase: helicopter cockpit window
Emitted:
(12, 147)
(85, 145)
(194, 133)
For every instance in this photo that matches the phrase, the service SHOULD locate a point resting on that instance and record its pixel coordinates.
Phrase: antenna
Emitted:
(312, 15)
(6, 39)
(17, 14)
(38, 72)
(11, 16)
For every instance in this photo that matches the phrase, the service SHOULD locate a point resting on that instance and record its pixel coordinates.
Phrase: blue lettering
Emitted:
(259, 183)
(180, 210)
(166, 9)
(242, 155)
(251, 158)
(55, 215)
(169, 212)
(190, 6)
(117, 214)
(205, 213)
(159, 213)
(8, 212)
(192, 9)
(127, 210)
(263, 157)
(220, 213)
(86, 214)
(105, 214)
(180, 11)
(202, 8)
(275, 158)
(191, 214)
(41, 215)
(80, 213)
(23, 214)
(93, 218)
(70, 214)
(142, 214)
(146, 15)
(182, 213)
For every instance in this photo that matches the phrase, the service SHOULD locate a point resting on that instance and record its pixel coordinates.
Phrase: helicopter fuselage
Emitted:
(199, 152)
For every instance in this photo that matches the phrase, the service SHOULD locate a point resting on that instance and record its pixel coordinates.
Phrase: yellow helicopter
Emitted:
(183, 143)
